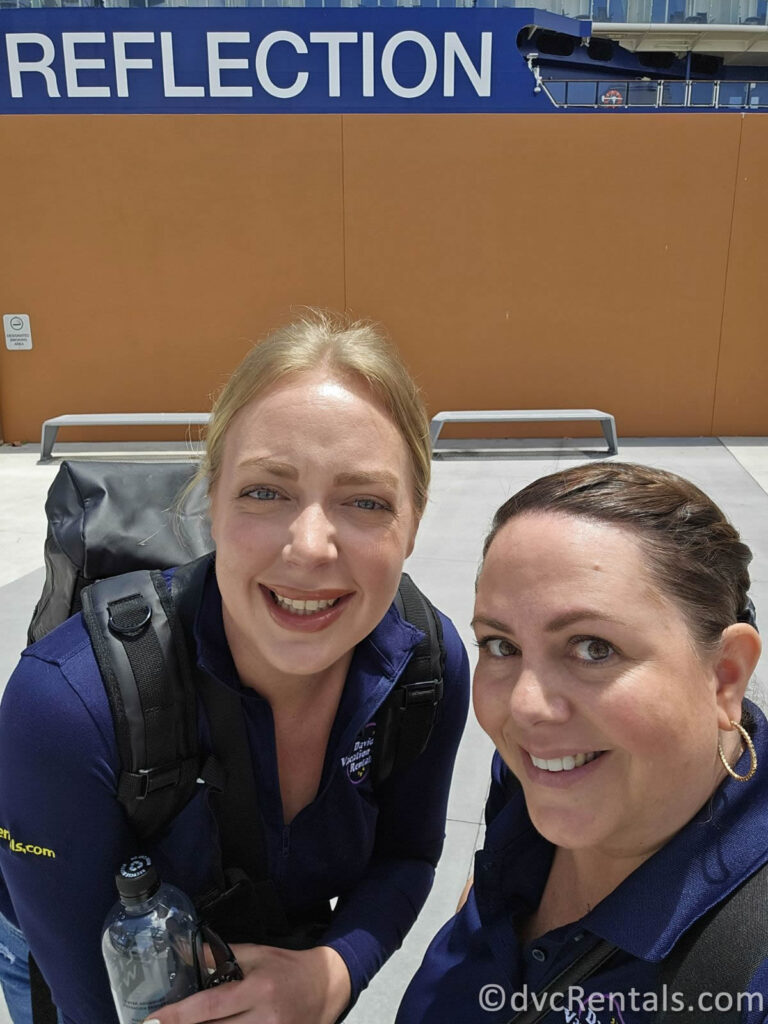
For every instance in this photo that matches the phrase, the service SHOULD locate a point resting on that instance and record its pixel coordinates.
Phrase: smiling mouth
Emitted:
(565, 764)
(298, 607)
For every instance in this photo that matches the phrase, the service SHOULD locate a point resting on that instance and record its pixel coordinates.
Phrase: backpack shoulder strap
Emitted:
(722, 951)
(405, 720)
(142, 656)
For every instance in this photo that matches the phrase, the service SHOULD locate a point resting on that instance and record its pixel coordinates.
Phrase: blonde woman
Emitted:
(318, 468)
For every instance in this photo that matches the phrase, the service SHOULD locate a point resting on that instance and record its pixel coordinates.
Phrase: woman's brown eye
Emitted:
(498, 647)
(593, 649)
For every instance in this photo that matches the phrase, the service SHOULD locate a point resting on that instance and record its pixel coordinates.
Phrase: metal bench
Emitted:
(607, 422)
(114, 419)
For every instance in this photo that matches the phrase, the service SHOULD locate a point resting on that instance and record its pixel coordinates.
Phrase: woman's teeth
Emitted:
(302, 607)
(564, 764)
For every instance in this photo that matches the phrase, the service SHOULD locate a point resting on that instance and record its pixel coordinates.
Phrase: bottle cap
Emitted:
(137, 879)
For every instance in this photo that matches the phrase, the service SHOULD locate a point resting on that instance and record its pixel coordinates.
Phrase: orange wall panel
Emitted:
(518, 260)
(548, 261)
(149, 251)
(742, 380)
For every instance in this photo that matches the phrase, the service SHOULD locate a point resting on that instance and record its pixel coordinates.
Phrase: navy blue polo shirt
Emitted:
(63, 833)
(476, 971)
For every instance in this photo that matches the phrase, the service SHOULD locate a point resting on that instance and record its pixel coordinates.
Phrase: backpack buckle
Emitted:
(152, 779)
(128, 617)
(425, 693)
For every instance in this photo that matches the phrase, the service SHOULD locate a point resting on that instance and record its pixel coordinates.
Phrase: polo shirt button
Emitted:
(538, 954)
(578, 936)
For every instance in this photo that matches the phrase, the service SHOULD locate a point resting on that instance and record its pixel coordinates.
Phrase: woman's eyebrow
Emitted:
(361, 479)
(482, 620)
(284, 469)
(578, 615)
(561, 622)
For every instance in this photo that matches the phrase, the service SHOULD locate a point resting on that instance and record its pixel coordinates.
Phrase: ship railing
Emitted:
(619, 95)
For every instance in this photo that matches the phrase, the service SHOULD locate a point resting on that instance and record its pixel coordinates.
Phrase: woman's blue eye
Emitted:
(368, 504)
(498, 647)
(263, 494)
(592, 648)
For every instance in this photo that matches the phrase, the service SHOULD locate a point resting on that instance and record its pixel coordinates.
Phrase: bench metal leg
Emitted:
(609, 433)
(435, 427)
(47, 440)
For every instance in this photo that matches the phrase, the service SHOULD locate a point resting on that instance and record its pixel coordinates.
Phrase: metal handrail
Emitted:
(609, 94)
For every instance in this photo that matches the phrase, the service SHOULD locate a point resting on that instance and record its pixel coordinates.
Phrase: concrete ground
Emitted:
(468, 486)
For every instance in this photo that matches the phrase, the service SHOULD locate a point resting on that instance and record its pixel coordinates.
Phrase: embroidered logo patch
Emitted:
(358, 762)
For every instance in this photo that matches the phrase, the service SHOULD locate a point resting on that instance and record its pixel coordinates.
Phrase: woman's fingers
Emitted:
(217, 1004)
(280, 987)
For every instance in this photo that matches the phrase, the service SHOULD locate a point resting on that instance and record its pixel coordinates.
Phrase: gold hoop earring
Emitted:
(752, 755)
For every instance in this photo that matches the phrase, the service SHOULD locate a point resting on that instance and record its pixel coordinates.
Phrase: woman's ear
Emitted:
(735, 662)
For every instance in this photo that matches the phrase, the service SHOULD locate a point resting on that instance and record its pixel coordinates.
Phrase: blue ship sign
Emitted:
(265, 60)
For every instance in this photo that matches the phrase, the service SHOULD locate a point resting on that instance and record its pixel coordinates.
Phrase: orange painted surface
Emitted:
(149, 253)
(517, 260)
(551, 262)
(742, 381)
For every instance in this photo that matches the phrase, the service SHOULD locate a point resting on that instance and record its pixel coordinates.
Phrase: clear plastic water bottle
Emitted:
(150, 943)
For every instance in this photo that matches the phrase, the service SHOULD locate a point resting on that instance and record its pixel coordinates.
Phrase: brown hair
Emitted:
(694, 554)
(351, 349)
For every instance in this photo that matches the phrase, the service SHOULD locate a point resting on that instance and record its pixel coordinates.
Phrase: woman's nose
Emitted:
(312, 537)
(537, 697)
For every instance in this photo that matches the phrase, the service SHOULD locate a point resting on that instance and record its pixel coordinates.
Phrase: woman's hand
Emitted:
(281, 986)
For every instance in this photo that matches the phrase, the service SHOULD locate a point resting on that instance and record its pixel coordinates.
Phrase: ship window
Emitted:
(642, 94)
(581, 94)
(673, 94)
(732, 94)
(758, 94)
(702, 94)
(558, 91)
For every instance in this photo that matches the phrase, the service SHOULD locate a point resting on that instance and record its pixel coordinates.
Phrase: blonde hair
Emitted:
(346, 348)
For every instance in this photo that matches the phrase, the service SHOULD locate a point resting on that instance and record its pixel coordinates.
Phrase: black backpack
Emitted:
(107, 518)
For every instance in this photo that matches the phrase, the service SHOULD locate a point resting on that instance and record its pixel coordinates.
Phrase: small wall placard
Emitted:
(18, 334)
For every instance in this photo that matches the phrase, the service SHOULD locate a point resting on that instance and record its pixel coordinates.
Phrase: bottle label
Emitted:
(132, 1012)
(143, 986)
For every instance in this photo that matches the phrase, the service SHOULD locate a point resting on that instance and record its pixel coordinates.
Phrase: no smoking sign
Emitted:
(18, 334)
